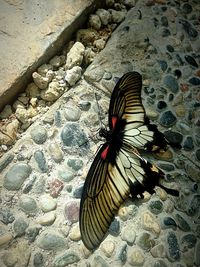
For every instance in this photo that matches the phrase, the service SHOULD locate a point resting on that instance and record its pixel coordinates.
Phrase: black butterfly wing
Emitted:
(107, 186)
(126, 104)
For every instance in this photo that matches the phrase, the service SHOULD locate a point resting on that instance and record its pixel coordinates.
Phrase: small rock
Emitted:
(19, 227)
(6, 160)
(169, 222)
(75, 55)
(135, 257)
(75, 164)
(188, 143)
(68, 258)
(65, 175)
(28, 205)
(171, 83)
(188, 241)
(51, 241)
(174, 138)
(100, 43)
(108, 248)
(8, 133)
(32, 232)
(145, 241)
(40, 81)
(84, 105)
(53, 92)
(6, 112)
(72, 113)
(72, 211)
(167, 119)
(128, 234)
(47, 203)
(191, 61)
(73, 75)
(186, 8)
(114, 228)
(104, 16)
(16, 176)
(55, 187)
(77, 192)
(121, 253)
(6, 216)
(189, 28)
(41, 161)
(166, 166)
(149, 223)
(58, 118)
(123, 213)
(94, 21)
(39, 135)
(173, 247)
(57, 61)
(43, 69)
(194, 81)
(32, 91)
(55, 152)
(193, 206)
(163, 65)
(5, 238)
(38, 260)
(99, 261)
(158, 251)
(75, 233)
(117, 16)
(156, 206)
(161, 105)
(47, 219)
(198, 154)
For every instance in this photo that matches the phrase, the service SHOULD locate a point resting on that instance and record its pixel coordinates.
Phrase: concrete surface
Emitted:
(31, 32)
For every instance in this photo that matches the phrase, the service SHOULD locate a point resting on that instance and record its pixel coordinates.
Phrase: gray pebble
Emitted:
(166, 166)
(20, 226)
(28, 205)
(169, 222)
(145, 241)
(5, 160)
(75, 164)
(6, 216)
(167, 119)
(173, 137)
(72, 113)
(32, 232)
(65, 175)
(173, 247)
(114, 228)
(188, 143)
(121, 253)
(29, 185)
(171, 83)
(128, 234)
(73, 135)
(155, 206)
(182, 224)
(68, 258)
(194, 81)
(186, 8)
(99, 261)
(189, 28)
(84, 105)
(41, 161)
(16, 176)
(51, 241)
(77, 192)
(39, 135)
(38, 260)
(193, 206)
(188, 241)
(163, 65)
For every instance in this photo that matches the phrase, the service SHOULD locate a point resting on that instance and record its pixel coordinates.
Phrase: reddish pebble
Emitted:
(72, 211)
(184, 87)
(198, 73)
(55, 187)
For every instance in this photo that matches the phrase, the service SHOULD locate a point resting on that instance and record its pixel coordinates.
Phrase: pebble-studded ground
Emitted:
(42, 176)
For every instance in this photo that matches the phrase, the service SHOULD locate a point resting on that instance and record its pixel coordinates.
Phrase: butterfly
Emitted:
(118, 170)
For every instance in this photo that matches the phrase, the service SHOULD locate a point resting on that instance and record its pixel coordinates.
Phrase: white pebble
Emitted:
(47, 203)
(40, 81)
(75, 55)
(73, 75)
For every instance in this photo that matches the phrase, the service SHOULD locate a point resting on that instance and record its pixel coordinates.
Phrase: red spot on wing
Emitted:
(114, 121)
(104, 153)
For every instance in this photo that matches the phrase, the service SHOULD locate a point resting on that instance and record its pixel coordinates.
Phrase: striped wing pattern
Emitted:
(111, 180)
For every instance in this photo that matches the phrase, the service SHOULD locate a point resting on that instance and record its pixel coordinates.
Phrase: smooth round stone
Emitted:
(182, 223)
(108, 248)
(84, 105)
(114, 228)
(99, 261)
(107, 75)
(156, 206)
(20, 226)
(51, 241)
(149, 90)
(173, 247)
(194, 81)
(149, 223)
(188, 143)
(77, 192)
(170, 48)
(28, 205)
(72, 114)
(169, 222)
(72, 211)
(177, 73)
(188, 241)
(173, 137)
(166, 166)
(121, 252)
(47, 203)
(128, 234)
(189, 28)
(29, 185)
(136, 257)
(73, 135)
(55, 187)
(198, 154)
(75, 233)
(55, 152)
(5, 160)
(47, 219)
(75, 164)
(38, 260)
(171, 83)
(68, 258)
(167, 119)
(5, 238)
(158, 251)
(184, 128)
(145, 241)
(161, 105)
(163, 65)
(39, 135)
(41, 161)
(65, 175)
(32, 232)
(191, 61)
(194, 205)
(16, 176)
(186, 8)
(6, 216)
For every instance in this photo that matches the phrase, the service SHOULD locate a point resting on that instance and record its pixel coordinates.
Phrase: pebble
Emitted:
(55, 187)
(104, 16)
(40, 81)
(173, 247)
(167, 119)
(108, 248)
(29, 185)
(53, 91)
(72, 211)
(73, 75)
(75, 55)
(114, 228)
(55, 152)
(128, 234)
(194, 81)
(189, 28)
(19, 227)
(58, 118)
(188, 143)
(28, 205)
(161, 105)
(65, 259)
(38, 260)
(41, 161)
(186, 8)
(193, 206)
(39, 135)
(174, 137)
(75, 233)
(158, 251)
(149, 223)
(77, 192)
(47, 203)
(145, 241)
(16, 176)
(136, 257)
(65, 175)
(163, 65)
(169, 222)
(51, 240)
(72, 113)
(73, 135)
(75, 164)
(47, 219)
(171, 83)
(94, 21)
(5, 238)
(187, 242)
(32, 232)
(166, 166)
(6, 216)
(155, 206)
(57, 61)
(191, 61)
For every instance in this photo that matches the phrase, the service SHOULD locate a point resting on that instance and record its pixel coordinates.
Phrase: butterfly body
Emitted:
(118, 170)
